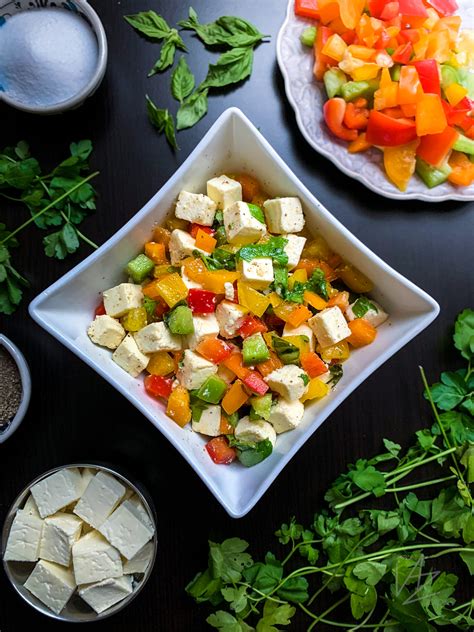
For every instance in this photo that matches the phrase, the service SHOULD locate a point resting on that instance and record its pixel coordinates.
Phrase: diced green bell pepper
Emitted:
(308, 36)
(212, 391)
(255, 350)
(432, 176)
(334, 79)
(355, 89)
(261, 407)
(139, 268)
(395, 72)
(449, 75)
(464, 144)
(180, 321)
(466, 79)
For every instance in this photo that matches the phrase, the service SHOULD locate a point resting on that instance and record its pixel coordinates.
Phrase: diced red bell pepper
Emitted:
(434, 148)
(444, 7)
(158, 386)
(312, 364)
(410, 35)
(273, 322)
(413, 8)
(385, 131)
(383, 9)
(254, 382)
(428, 73)
(356, 117)
(161, 308)
(202, 301)
(196, 227)
(334, 111)
(307, 9)
(322, 62)
(100, 310)
(220, 451)
(403, 53)
(250, 326)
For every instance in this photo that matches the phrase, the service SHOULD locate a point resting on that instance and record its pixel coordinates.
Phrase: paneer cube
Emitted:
(24, 538)
(106, 332)
(194, 370)
(129, 357)
(122, 298)
(157, 337)
(374, 317)
(125, 530)
(229, 291)
(289, 381)
(329, 326)
(87, 474)
(60, 532)
(139, 562)
(258, 273)
(52, 584)
(205, 326)
(284, 215)
(94, 559)
(191, 285)
(57, 491)
(103, 595)
(224, 191)
(254, 431)
(302, 330)
(181, 245)
(241, 227)
(30, 507)
(210, 422)
(196, 208)
(140, 510)
(101, 497)
(286, 415)
(230, 317)
(293, 249)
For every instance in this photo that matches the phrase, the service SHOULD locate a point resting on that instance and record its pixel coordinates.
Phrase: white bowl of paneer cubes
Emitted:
(235, 312)
(79, 543)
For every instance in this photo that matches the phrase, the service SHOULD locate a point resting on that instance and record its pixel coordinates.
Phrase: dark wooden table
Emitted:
(76, 416)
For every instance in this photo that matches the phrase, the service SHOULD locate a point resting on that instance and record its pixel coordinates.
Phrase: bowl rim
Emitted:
(31, 600)
(25, 377)
(94, 82)
(421, 321)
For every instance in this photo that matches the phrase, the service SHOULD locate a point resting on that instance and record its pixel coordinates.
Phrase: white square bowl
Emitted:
(233, 144)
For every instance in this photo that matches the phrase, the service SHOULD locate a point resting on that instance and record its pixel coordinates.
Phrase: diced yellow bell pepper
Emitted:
(156, 252)
(339, 352)
(439, 46)
(431, 20)
(300, 276)
(235, 397)
(400, 163)
(316, 390)
(314, 300)
(284, 311)
(215, 281)
(135, 319)
(256, 302)
(386, 97)
(174, 222)
(366, 72)
(362, 52)
(301, 341)
(351, 12)
(335, 47)
(161, 270)
(317, 248)
(161, 363)
(455, 93)
(275, 299)
(172, 289)
(178, 408)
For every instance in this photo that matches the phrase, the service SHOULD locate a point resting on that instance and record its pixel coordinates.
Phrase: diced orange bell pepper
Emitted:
(299, 316)
(328, 11)
(455, 93)
(314, 300)
(355, 117)
(322, 62)
(351, 12)
(310, 266)
(151, 289)
(312, 364)
(341, 300)
(434, 148)
(178, 408)
(214, 349)
(204, 241)
(409, 110)
(462, 169)
(359, 144)
(368, 30)
(250, 186)
(409, 87)
(236, 364)
(224, 427)
(284, 311)
(362, 52)
(430, 115)
(439, 46)
(161, 235)
(195, 269)
(363, 333)
(155, 251)
(235, 398)
(267, 367)
(335, 47)
(365, 72)
(400, 163)
(215, 281)
(334, 111)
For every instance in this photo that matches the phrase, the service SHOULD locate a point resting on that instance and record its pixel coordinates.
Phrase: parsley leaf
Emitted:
(62, 242)
(229, 559)
(10, 280)
(250, 454)
(226, 622)
(305, 379)
(464, 334)
(220, 259)
(450, 392)
(275, 614)
(273, 248)
(336, 372)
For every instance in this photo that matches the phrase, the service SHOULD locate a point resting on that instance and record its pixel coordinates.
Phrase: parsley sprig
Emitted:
(380, 562)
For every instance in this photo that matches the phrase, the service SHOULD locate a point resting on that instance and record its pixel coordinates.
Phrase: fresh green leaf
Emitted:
(204, 587)
(22, 150)
(228, 559)
(162, 120)
(150, 306)
(294, 589)
(62, 242)
(182, 81)
(231, 67)
(226, 31)
(275, 614)
(219, 260)
(370, 572)
(450, 392)
(250, 454)
(393, 448)
(257, 213)
(264, 577)
(150, 24)
(192, 110)
(362, 306)
(363, 596)
(449, 514)
(226, 622)
(287, 352)
(170, 132)
(236, 597)
(336, 372)
(368, 478)
(273, 248)
(464, 333)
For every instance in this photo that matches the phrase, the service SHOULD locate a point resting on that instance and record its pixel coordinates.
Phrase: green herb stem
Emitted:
(435, 481)
(317, 618)
(81, 235)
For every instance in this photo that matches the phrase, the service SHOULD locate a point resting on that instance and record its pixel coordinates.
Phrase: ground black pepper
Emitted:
(10, 387)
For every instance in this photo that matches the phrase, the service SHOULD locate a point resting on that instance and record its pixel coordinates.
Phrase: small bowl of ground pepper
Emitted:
(15, 387)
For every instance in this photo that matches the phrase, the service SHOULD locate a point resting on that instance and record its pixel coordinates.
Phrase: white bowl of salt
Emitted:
(51, 58)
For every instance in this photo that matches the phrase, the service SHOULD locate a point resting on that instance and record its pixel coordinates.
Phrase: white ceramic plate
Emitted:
(232, 144)
(307, 97)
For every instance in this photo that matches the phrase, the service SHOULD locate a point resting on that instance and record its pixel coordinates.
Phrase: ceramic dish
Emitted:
(233, 144)
(25, 376)
(76, 610)
(83, 8)
(307, 97)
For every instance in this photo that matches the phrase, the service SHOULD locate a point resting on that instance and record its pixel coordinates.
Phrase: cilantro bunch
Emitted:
(377, 562)
(235, 37)
(59, 200)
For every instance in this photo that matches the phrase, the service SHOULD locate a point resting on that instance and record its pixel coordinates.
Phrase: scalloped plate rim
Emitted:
(395, 195)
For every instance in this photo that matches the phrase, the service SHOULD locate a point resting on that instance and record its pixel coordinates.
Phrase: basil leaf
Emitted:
(232, 66)
(287, 352)
(182, 81)
(273, 248)
(170, 132)
(336, 372)
(229, 31)
(150, 24)
(162, 120)
(256, 211)
(362, 306)
(317, 283)
(192, 110)
(250, 454)
(305, 379)
(150, 305)
(219, 260)
(280, 279)
(296, 295)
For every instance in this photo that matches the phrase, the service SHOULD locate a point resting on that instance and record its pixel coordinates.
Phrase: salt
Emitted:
(46, 56)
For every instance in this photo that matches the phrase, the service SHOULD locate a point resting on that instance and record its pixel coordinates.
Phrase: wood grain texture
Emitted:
(74, 415)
